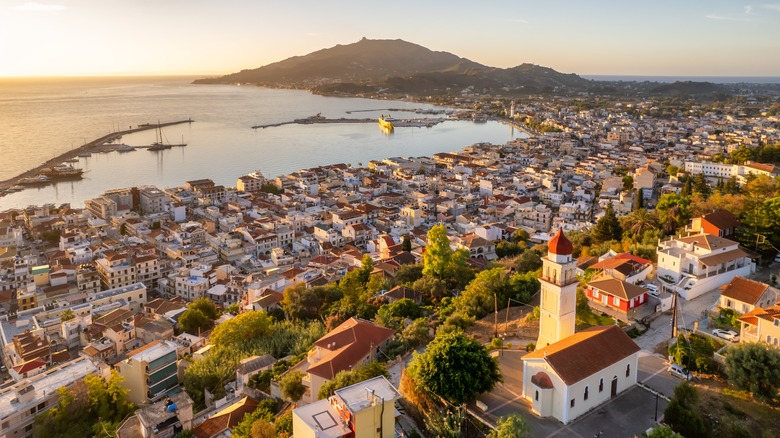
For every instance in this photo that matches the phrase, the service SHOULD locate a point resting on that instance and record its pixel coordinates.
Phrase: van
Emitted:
(679, 371)
(652, 289)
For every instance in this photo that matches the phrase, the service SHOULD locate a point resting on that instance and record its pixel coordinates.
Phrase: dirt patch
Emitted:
(735, 413)
(518, 323)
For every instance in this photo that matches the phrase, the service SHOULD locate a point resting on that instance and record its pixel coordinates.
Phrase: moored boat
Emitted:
(61, 172)
(37, 180)
(386, 122)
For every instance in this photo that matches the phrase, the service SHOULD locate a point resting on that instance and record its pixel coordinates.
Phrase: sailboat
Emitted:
(159, 145)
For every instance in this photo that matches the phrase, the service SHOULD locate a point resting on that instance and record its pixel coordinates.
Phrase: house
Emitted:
(719, 223)
(27, 369)
(401, 292)
(761, 325)
(353, 343)
(626, 267)
(577, 374)
(251, 366)
(163, 419)
(700, 263)
(362, 410)
(621, 297)
(221, 423)
(743, 295)
(571, 373)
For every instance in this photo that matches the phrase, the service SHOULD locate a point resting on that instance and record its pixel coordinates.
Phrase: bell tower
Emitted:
(557, 310)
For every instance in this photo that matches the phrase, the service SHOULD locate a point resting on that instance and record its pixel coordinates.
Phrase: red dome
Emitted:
(559, 244)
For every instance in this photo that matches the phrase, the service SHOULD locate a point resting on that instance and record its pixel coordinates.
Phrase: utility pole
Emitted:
(674, 313)
(495, 315)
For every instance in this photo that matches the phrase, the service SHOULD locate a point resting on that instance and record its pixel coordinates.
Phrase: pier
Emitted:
(87, 147)
(314, 120)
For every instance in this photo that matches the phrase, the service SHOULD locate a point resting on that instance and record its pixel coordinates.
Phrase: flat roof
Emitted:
(321, 417)
(44, 385)
(367, 393)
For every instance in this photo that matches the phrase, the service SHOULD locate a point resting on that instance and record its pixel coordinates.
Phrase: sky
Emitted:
(214, 37)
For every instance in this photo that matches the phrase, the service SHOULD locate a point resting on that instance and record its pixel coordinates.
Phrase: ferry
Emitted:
(37, 180)
(386, 122)
(61, 172)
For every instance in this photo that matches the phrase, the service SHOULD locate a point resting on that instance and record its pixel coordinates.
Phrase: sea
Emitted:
(43, 117)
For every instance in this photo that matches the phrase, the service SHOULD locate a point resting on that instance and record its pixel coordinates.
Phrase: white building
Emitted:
(697, 264)
(573, 373)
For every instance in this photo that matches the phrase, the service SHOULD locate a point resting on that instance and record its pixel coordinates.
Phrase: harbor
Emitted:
(35, 176)
(319, 119)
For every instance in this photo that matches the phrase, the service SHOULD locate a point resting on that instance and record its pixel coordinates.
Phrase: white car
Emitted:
(652, 289)
(777, 258)
(729, 335)
(679, 371)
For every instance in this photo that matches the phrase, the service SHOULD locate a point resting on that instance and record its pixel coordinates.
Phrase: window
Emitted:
(616, 301)
(536, 397)
(777, 323)
(572, 403)
(601, 384)
(585, 397)
(628, 369)
(768, 339)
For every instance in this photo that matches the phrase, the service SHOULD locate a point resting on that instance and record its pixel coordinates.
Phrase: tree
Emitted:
(439, 259)
(511, 426)
(406, 245)
(292, 386)
(264, 412)
(455, 367)
(529, 260)
(639, 200)
(247, 325)
(681, 413)
(521, 235)
(754, 367)
(263, 429)
(673, 211)
(639, 221)
(432, 289)
(345, 378)
(628, 183)
(193, 321)
(300, 302)
(67, 315)
(478, 299)
(206, 306)
(608, 227)
(408, 274)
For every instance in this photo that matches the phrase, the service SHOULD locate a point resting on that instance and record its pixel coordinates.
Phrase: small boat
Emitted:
(125, 148)
(37, 180)
(14, 189)
(72, 160)
(159, 145)
(86, 154)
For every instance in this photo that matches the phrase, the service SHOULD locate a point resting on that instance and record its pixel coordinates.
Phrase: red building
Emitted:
(608, 293)
(719, 223)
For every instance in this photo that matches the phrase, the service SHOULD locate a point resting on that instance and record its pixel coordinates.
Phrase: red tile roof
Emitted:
(346, 345)
(587, 352)
(744, 290)
(559, 244)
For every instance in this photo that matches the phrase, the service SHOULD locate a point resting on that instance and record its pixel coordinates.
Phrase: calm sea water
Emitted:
(41, 118)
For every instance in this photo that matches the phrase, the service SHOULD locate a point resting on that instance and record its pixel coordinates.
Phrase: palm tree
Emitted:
(639, 221)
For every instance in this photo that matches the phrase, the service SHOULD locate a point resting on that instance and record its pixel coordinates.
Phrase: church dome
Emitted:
(559, 244)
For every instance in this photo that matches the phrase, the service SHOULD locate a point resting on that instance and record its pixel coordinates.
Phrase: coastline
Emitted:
(73, 153)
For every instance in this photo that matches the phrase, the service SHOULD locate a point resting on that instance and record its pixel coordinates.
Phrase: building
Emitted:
(621, 297)
(743, 295)
(149, 372)
(761, 325)
(696, 264)
(362, 410)
(571, 373)
(719, 223)
(164, 419)
(115, 271)
(559, 292)
(20, 403)
(221, 423)
(353, 343)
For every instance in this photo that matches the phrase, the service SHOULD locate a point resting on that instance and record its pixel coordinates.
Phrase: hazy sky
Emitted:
(622, 37)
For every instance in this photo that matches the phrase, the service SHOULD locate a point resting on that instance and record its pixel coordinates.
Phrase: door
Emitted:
(614, 387)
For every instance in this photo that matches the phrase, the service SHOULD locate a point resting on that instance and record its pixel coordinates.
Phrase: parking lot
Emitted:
(630, 413)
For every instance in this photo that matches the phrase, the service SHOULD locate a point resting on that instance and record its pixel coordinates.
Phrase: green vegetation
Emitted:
(754, 367)
(271, 188)
(455, 367)
(257, 419)
(292, 385)
(681, 413)
(346, 378)
(248, 334)
(695, 352)
(441, 262)
(510, 426)
(94, 407)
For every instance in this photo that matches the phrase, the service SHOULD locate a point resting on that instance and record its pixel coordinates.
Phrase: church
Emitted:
(572, 373)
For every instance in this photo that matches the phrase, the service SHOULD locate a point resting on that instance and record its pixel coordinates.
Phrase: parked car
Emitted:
(777, 258)
(652, 289)
(729, 335)
(679, 371)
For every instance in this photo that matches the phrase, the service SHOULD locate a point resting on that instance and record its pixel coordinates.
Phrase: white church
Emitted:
(571, 373)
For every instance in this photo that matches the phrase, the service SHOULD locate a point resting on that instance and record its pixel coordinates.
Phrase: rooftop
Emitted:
(367, 393)
(322, 417)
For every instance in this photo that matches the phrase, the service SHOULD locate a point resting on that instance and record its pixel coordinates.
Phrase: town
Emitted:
(566, 283)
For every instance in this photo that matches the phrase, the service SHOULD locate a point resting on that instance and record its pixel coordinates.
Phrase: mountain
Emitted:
(397, 67)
